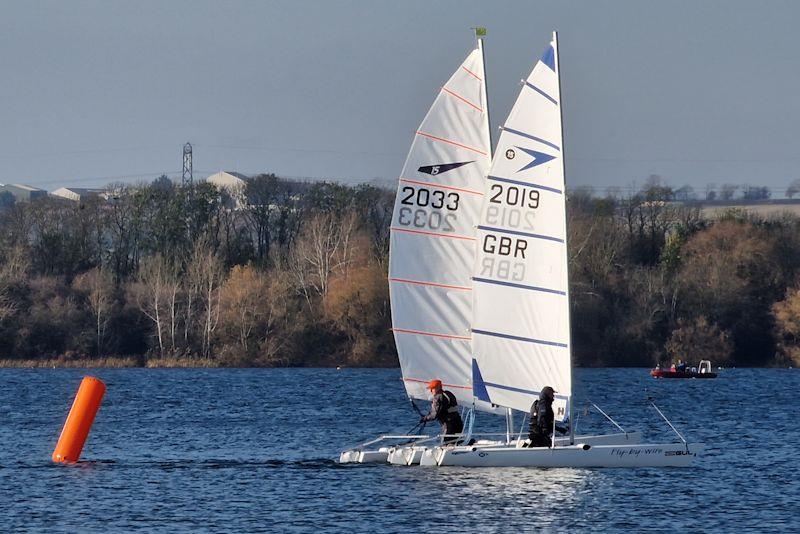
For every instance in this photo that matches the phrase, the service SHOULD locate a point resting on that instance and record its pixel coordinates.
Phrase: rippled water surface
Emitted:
(253, 450)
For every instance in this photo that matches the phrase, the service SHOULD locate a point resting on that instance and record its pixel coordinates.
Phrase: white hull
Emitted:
(582, 455)
(412, 454)
(628, 438)
(364, 457)
(409, 455)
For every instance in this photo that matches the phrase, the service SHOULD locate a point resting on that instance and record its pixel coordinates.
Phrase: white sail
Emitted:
(521, 331)
(433, 236)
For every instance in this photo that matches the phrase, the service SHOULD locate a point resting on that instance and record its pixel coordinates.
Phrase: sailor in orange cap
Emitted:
(444, 408)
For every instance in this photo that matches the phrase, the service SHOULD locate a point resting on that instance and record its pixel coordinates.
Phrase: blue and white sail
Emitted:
(521, 329)
(433, 236)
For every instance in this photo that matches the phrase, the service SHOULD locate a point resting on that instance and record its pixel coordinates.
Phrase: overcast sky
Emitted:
(696, 91)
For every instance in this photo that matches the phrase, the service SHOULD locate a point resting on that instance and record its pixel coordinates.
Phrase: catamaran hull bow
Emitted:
(364, 457)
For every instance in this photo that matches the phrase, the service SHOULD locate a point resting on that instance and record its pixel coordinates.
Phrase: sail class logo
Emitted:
(539, 158)
(433, 170)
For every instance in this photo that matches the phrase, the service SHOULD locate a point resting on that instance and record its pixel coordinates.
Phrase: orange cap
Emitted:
(433, 384)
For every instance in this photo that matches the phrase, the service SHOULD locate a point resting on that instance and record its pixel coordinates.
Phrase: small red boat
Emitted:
(701, 371)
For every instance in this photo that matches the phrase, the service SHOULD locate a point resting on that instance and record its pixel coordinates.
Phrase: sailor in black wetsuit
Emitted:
(444, 408)
(542, 418)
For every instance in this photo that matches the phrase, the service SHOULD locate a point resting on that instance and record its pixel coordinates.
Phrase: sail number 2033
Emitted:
(422, 198)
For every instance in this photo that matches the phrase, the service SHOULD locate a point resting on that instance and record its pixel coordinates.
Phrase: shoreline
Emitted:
(110, 363)
(113, 362)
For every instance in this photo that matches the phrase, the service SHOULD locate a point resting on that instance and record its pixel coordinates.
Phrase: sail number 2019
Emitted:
(515, 196)
(426, 198)
(514, 207)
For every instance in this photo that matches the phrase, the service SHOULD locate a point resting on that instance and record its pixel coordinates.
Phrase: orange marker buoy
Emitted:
(80, 419)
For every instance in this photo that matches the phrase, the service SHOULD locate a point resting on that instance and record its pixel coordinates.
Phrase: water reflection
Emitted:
(548, 487)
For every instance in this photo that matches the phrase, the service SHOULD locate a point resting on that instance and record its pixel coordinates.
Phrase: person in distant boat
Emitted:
(444, 408)
(681, 366)
(542, 419)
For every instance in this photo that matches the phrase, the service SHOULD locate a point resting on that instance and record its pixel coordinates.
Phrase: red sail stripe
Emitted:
(431, 334)
(434, 284)
(443, 384)
(434, 234)
(472, 73)
(440, 186)
(429, 136)
(458, 96)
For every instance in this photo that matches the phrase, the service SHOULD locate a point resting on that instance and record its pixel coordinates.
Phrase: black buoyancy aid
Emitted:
(452, 403)
(535, 410)
(541, 420)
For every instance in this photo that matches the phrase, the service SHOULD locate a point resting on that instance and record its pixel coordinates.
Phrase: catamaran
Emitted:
(434, 281)
(432, 246)
(521, 339)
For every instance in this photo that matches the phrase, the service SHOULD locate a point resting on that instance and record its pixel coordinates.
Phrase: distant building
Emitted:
(78, 194)
(23, 193)
(232, 182)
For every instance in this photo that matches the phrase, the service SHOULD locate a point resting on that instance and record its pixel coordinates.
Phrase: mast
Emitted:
(480, 33)
(566, 232)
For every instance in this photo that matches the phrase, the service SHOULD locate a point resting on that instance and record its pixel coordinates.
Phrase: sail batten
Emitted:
(433, 236)
(521, 335)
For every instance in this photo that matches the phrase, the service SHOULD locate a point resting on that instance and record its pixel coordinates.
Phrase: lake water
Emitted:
(233, 450)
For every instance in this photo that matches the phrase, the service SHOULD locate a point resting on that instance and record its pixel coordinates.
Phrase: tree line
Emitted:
(287, 273)
(711, 193)
(280, 273)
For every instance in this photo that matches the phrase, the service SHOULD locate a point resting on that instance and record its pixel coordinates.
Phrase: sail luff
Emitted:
(566, 235)
(487, 121)
(566, 226)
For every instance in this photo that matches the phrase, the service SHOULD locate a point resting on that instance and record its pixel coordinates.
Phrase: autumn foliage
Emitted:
(295, 274)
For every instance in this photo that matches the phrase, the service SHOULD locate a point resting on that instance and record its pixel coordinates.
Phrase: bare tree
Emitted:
(8, 306)
(13, 269)
(277, 324)
(727, 191)
(123, 222)
(172, 285)
(191, 289)
(151, 294)
(711, 193)
(242, 297)
(98, 286)
(260, 196)
(793, 189)
(614, 191)
(205, 275)
(685, 193)
(324, 247)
